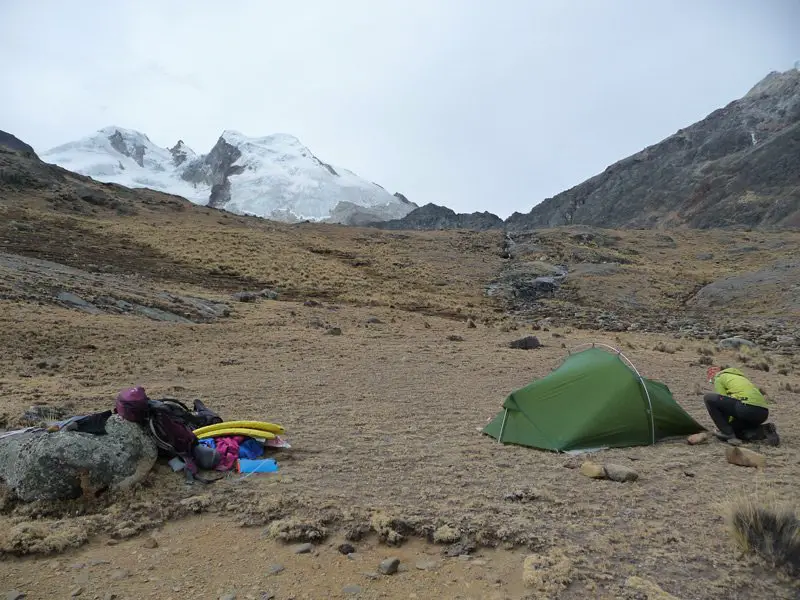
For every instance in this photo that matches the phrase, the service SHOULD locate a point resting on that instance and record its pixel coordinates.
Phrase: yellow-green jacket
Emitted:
(733, 383)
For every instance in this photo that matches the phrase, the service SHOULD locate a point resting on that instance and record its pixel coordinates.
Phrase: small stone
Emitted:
(389, 566)
(689, 473)
(99, 561)
(15, 595)
(76, 592)
(593, 470)
(267, 596)
(529, 342)
(334, 331)
(698, 438)
(745, 458)
(112, 542)
(228, 596)
(346, 548)
(734, 343)
(303, 548)
(119, 575)
(110, 596)
(275, 569)
(150, 543)
(427, 565)
(620, 474)
(471, 324)
(372, 576)
(351, 590)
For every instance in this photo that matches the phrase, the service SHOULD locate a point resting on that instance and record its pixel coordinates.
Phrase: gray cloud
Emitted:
(475, 104)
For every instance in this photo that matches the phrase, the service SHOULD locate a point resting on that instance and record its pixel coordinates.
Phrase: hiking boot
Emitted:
(772, 438)
(724, 437)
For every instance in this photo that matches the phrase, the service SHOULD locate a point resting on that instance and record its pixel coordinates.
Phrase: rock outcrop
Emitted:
(14, 143)
(66, 465)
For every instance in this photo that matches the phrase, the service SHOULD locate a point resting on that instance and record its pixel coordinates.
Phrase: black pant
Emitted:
(745, 416)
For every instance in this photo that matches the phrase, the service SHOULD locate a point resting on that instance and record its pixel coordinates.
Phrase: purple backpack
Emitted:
(133, 404)
(172, 434)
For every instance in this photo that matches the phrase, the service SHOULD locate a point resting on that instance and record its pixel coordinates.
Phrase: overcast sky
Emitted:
(474, 104)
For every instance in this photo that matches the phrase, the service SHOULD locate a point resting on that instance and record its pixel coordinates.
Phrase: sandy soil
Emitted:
(384, 425)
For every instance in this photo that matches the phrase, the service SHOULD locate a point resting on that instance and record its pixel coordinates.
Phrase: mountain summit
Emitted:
(274, 176)
(738, 166)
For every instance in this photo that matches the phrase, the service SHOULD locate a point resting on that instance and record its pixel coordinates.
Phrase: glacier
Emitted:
(274, 176)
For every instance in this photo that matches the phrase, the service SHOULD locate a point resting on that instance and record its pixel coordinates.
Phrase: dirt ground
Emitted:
(384, 421)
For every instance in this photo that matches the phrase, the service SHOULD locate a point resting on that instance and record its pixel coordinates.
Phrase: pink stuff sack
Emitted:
(133, 404)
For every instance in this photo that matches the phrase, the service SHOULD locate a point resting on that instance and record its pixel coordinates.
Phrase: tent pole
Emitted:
(502, 427)
(650, 406)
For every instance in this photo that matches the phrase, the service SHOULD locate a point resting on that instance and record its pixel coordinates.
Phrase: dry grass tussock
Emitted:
(763, 525)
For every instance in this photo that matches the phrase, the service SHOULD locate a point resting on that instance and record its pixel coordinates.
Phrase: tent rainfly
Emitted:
(594, 399)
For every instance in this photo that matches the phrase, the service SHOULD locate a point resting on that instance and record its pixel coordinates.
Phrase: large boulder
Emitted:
(38, 465)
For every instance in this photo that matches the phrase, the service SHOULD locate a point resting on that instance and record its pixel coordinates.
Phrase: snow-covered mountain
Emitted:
(274, 176)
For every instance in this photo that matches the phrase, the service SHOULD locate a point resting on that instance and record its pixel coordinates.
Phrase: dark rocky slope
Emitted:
(740, 166)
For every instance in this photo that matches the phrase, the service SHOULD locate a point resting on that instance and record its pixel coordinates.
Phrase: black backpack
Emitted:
(172, 425)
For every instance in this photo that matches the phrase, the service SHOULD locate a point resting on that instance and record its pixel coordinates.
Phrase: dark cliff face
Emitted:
(432, 216)
(14, 143)
(179, 153)
(214, 169)
(740, 166)
(134, 151)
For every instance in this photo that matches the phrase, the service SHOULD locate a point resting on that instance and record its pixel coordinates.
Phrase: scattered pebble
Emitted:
(303, 548)
(698, 438)
(275, 569)
(346, 548)
(620, 474)
(351, 590)
(15, 595)
(427, 565)
(745, 458)
(389, 566)
(76, 592)
(228, 596)
(119, 575)
(593, 470)
(150, 543)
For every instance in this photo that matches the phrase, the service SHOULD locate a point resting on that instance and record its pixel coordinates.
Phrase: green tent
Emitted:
(595, 399)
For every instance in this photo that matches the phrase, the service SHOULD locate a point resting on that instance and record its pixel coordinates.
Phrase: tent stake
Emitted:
(502, 427)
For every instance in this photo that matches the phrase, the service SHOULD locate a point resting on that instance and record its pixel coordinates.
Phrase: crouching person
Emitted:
(738, 408)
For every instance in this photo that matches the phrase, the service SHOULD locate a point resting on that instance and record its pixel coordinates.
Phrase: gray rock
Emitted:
(351, 590)
(76, 592)
(246, 296)
(529, 342)
(57, 466)
(427, 564)
(346, 548)
(119, 575)
(275, 569)
(15, 595)
(228, 596)
(303, 548)
(734, 343)
(78, 302)
(389, 566)
(620, 473)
